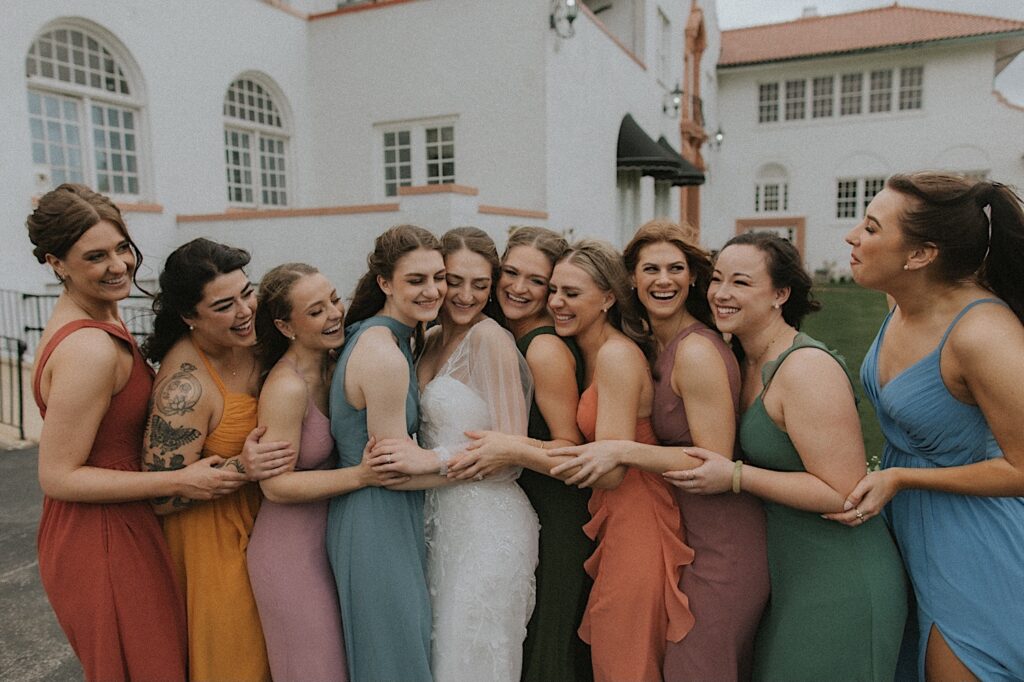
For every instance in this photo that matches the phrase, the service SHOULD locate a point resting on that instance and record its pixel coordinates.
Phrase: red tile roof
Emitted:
(870, 29)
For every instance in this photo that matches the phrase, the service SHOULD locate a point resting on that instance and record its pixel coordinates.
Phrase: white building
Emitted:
(301, 130)
(817, 112)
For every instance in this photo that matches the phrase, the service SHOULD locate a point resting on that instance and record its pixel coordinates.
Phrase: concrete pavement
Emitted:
(32, 646)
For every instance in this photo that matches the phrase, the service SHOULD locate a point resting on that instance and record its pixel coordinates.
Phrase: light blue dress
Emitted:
(376, 546)
(964, 554)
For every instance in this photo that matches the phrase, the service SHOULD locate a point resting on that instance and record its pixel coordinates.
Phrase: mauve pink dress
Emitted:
(291, 576)
(727, 582)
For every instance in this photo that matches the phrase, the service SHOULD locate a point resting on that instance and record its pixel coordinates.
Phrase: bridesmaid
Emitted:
(838, 595)
(103, 561)
(635, 606)
(553, 649)
(299, 326)
(375, 535)
(945, 378)
(204, 404)
(696, 402)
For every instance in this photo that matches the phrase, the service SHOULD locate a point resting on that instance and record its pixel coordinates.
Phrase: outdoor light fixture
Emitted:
(718, 137)
(671, 102)
(563, 13)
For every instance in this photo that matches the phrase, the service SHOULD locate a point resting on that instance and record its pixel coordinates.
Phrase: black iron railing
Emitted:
(12, 388)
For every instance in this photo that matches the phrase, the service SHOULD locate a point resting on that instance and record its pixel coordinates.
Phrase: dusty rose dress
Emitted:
(635, 606)
(727, 582)
(291, 576)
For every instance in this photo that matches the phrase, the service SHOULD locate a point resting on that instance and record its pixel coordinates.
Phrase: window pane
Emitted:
(880, 98)
(247, 100)
(851, 87)
(911, 87)
(796, 100)
(768, 102)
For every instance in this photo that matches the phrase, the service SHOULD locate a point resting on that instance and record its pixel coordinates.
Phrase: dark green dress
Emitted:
(553, 649)
(838, 594)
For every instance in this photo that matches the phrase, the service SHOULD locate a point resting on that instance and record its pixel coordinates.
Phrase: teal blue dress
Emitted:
(376, 546)
(964, 553)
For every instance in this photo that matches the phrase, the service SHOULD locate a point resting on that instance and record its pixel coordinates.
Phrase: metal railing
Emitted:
(12, 388)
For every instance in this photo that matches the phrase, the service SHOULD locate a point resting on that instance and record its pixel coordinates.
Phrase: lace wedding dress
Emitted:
(481, 535)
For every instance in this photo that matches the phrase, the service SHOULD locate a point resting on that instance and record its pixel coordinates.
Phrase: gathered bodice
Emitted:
(923, 423)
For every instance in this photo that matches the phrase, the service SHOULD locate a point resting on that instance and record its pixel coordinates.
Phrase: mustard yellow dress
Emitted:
(208, 543)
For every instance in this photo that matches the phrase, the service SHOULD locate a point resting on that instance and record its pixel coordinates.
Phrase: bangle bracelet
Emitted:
(737, 472)
(443, 470)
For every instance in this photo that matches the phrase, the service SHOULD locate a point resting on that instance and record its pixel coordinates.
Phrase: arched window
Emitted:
(771, 192)
(85, 106)
(255, 144)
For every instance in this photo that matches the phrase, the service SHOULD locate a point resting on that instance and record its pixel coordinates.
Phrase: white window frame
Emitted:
(911, 95)
(823, 94)
(417, 129)
(768, 102)
(796, 99)
(880, 91)
(663, 58)
(258, 133)
(854, 194)
(86, 97)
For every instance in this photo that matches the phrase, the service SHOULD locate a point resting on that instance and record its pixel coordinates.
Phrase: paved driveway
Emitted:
(32, 645)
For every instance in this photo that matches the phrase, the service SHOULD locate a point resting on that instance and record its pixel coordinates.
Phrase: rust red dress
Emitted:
(635, 606)
(105, 567)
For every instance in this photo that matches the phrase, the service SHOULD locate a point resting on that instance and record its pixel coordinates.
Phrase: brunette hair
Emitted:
(64, 214)
(388, 249)
(948, 211)
(187, 271)
(785, 271)
(697, 261)
(605, 266)
(479, 242)
(275, 303)
(548, 242)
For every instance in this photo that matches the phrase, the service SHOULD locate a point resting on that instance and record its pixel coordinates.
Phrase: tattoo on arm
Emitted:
(172, 462)
(180, 393)
(167, 438)
(235, 464)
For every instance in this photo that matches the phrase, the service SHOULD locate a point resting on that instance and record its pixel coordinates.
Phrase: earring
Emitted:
(906, 267)
(191, 328)
(292, 337)
(775, 305)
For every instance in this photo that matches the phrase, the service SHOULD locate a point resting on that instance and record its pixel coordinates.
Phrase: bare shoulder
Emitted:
(87, 350)
(809, 370)
(283, 386)
(548, 351)
(697, 351)
(988, 331)
(619, 355)
(376, 350)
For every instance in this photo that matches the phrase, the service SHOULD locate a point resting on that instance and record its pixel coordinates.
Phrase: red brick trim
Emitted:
(604, 29)
(512, 212)
(377, 4)
(438, 189)
(247, 214)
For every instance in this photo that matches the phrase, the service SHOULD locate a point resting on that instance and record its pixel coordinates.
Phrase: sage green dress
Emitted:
(553, 649)
(838, 593)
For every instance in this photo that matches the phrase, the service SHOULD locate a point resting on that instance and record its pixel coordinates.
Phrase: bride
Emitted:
(481, 535)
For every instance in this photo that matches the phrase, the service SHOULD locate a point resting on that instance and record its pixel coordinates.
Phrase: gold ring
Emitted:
(860, 515)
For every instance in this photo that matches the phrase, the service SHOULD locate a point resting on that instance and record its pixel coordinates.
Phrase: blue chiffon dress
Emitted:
(964, 554)
(376, 546)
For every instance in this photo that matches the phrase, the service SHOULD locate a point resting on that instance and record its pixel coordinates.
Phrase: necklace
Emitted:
(757, 361)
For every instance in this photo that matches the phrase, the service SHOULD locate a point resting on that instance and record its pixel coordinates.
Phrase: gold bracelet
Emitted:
(737, 472)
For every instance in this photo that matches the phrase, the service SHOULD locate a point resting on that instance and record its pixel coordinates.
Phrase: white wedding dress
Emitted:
(481, 535)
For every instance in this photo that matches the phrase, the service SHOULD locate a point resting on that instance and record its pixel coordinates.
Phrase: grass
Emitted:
(848, 321)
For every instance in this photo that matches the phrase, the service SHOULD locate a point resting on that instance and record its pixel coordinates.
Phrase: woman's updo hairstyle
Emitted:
(977, 227)
(697, 261)
(785, 271)
(275, 303)
(64, 214)
(187, 271)
(548, 242)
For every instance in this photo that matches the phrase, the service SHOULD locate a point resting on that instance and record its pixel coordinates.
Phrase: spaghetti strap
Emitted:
(67, 330)
(209, 368)
(963, 312)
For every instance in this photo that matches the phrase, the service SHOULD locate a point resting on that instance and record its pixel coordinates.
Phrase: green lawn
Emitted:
(848, 322)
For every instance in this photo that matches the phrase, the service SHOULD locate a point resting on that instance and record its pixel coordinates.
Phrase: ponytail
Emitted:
(1001, 269)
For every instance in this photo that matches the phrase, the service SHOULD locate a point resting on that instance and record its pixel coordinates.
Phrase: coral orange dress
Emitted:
(208, 544)
(635, 605)
(105, 567)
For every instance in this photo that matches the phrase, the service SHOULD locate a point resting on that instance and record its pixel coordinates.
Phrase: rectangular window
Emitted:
(757, 197)
(846, 199)
(664, 56)
(850, 94)
(823, 89)
(397, 161)
(771, 197)
(872, 186)
(768, 102)
(911, 87)
(796, 100)
(272, 172)
(56, 136)
(880, 97)
(114, 149)
(238, 162)
(440, 148)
